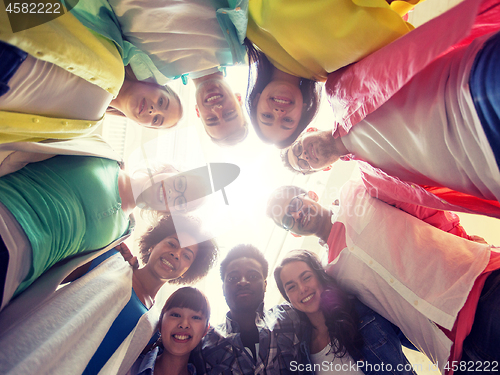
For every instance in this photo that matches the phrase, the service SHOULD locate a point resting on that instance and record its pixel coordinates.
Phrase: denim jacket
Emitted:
(381, 352)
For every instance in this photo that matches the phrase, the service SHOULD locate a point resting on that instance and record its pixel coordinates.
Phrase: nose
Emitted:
(217, 109)
(184, 323)
(302, 287)
(297, 215)
(279, 112)
(174, 254)
(243, 281)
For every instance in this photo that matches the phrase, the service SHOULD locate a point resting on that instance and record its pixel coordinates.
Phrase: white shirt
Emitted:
(429, 132)
(409, 272)
(326, 363)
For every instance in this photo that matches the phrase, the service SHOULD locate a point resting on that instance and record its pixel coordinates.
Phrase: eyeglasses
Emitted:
(297, 150)
(294, 206)
(180, 186)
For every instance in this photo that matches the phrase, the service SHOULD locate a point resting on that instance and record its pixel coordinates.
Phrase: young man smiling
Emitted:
(252, 340)
(420, 278)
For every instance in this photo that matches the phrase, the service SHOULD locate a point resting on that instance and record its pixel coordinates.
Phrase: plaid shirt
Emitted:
(223, 351)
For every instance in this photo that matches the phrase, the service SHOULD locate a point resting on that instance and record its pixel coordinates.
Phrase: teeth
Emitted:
(182, 337)
(166, 262)
(281, 101)
(308, 298)
(212, 98)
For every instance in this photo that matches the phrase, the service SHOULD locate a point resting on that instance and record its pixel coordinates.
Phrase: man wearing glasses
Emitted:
(415, 275)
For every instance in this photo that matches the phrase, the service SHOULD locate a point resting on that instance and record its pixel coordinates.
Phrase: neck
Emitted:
(216, 75)
(118, 102)
(338, 144)
(279, 75)
(246, 320)
(146, 285)
(125, 192)
(326, 226)
(167, 364)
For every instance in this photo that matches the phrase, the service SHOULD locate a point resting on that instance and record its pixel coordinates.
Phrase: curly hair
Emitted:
(207, 249)
(244, 251)
(338, 309)
(260, 73)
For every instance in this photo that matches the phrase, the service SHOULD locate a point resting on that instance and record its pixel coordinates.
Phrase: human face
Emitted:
(279, 110)
(219, 108)
(313, 151)
(182, 329)
(151, 105)
(168, 192)
(244, 285)
(302, 287)
(168, 260)
(300, 214)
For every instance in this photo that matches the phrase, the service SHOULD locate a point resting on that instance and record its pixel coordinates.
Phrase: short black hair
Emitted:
(244, 251)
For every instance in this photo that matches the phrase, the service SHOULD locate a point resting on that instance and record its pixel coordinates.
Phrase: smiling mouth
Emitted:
(308, 298)
(179, 337)
(213, 98)
(306, 218)
(167, 263)
(142, 106)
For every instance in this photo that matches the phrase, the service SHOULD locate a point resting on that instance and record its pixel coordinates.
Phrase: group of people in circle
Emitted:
(421, 117)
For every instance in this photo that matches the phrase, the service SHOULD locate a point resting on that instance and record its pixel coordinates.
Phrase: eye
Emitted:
(267, 116)
(288, 119)
(175, 315)
(229, 114)
(290, 288)
(307, 278)
(197, 317)
(156, 119)
(253, 277)
(232, 279)
(187, 256)
(161, 101)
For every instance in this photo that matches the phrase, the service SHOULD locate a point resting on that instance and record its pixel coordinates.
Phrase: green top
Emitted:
(66, 205)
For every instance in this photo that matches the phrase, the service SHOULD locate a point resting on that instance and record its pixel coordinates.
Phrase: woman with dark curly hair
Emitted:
(338, 329)
(296, 45)
(165, 260)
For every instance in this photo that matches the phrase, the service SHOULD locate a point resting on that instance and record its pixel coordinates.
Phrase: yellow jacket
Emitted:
(311, 38)
(68, 44)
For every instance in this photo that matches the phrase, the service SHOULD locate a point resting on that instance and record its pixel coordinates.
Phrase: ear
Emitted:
(206, 330)
(197, 111)
(312, 195)
(327, 168)
(265, 285)
(311, 129)
(295, 235)
(238, 97)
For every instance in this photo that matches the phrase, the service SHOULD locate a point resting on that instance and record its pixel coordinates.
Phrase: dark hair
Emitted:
(190, 298)
(288, 191)
(207, 249)
(244, 251)
(186, 297)
(259, 75)
(338, 310)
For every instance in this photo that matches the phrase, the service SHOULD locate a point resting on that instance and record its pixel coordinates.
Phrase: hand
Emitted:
(478, 239)
(127, 255)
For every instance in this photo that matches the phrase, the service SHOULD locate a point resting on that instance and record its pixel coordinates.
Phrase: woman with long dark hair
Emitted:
(293, 46)
(337, 328)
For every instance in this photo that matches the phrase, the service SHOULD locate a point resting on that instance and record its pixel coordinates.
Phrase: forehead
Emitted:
(293, 270)
(243, 265)
(279, 205)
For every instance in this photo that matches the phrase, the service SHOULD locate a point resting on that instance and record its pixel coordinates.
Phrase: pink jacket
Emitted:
(359, 89)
